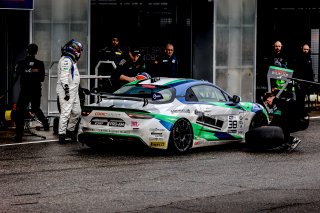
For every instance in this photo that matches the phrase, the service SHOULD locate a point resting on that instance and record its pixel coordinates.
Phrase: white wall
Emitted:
(55, 22)
(234, 46)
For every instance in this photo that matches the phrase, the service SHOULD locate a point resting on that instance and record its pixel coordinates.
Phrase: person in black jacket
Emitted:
(277, 57)
(112, 52)
(32, 73)
(166, 64)
(285, 115)
(303, 70)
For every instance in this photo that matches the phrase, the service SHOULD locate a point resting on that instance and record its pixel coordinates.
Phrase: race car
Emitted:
(174, 114)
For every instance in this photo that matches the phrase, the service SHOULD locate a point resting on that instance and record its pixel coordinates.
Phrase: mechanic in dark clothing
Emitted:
(285, 115)
(303, 70)
(112, 52)
(32, 73)
(278, 58)
(166, 64)
(129, 67)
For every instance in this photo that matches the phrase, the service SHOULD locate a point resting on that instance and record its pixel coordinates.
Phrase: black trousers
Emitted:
(300, 97)
(28, 96)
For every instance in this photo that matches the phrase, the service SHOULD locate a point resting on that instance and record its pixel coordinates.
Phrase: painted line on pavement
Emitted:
(29, 142)
(314, 117)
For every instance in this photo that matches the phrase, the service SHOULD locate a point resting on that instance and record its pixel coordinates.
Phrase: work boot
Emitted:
(72, 135)
(45, 124)
(62, 138)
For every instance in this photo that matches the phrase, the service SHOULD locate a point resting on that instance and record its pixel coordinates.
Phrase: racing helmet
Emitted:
(72, 49)
(143, 76)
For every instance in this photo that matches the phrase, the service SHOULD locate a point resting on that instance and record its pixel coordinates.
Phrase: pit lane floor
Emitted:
(7, 135)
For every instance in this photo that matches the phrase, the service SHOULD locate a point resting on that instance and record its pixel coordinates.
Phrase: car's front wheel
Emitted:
(181, 136)
(258, 120)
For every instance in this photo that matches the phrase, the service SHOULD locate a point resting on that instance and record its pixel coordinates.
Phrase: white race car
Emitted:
(170, 113)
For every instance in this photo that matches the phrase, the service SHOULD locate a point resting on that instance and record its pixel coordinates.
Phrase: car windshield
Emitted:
(154, 92)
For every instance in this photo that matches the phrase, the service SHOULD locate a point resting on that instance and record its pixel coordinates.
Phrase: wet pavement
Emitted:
(7, 135)
(33, 134)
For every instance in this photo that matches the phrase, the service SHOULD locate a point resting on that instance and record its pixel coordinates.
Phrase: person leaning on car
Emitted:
(128, 68)
(285, 115)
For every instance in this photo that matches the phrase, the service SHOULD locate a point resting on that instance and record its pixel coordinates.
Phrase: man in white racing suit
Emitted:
(67, 89)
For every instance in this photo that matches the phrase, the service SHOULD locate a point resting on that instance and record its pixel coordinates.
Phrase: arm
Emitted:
(127, 78)
(42, 71)
(65, 69)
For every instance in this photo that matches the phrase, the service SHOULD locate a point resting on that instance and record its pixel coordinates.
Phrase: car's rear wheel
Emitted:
(181, 136)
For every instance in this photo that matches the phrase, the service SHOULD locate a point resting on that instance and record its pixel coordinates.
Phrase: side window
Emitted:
(207, 93)
(190, 96)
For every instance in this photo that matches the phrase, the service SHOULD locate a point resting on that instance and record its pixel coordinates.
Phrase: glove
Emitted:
(66, 92)
(67, 97)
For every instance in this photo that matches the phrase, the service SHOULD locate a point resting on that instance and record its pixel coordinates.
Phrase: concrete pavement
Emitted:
(7, 135)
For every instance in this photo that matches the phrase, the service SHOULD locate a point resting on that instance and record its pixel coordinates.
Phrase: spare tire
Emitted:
(265, 137)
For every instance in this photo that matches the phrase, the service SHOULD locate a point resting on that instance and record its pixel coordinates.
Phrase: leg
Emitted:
(72, 128)
(75, 114)
(300, 97)
(35, 107)
(66, 108)
(23, 102)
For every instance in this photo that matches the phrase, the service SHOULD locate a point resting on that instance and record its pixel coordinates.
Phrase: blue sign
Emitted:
(16, 4)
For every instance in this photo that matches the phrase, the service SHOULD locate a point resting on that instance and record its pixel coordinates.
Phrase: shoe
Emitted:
(284, 147)
(62, 138)
(295, 142)
(72, 135)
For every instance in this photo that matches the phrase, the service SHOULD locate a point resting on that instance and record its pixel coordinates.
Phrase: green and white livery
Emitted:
(170, 113)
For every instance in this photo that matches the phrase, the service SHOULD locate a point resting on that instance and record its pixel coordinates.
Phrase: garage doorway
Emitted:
(144, 24)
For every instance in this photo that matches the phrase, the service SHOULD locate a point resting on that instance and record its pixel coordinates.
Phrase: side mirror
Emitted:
(235, 99)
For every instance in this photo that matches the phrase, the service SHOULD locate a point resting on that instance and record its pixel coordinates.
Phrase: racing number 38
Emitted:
(234, 124)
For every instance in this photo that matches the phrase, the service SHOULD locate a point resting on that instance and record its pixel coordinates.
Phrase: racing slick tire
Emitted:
(264, 138)
(181, 137)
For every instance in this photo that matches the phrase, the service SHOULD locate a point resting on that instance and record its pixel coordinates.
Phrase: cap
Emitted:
(135, 52)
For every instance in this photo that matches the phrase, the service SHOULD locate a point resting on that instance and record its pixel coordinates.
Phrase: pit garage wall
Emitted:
(54, 23)
(228, 39)
(234, 47)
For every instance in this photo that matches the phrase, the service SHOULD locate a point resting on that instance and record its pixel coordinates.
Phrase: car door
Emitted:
(218, 112)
